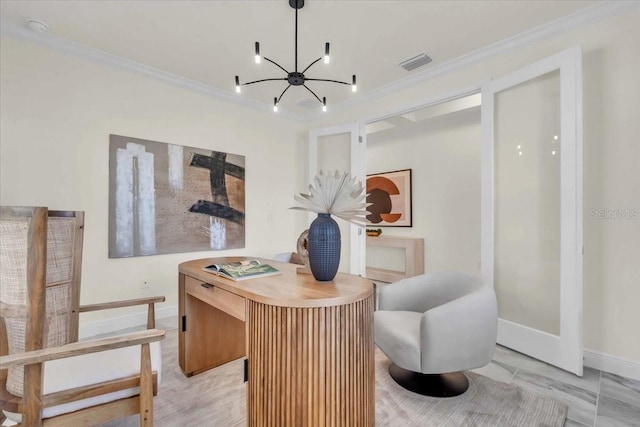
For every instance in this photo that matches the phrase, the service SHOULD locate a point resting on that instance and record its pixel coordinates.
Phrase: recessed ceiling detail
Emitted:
(415, 62)
(37, 26)
(309, 104)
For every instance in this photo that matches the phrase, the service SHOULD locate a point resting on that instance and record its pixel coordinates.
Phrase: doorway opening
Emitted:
(441, 144)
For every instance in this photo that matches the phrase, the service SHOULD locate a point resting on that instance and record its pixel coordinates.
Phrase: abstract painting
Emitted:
(390, 196)
(166, 198)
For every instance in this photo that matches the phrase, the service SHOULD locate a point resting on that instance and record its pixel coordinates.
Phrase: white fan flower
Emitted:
(336, 194)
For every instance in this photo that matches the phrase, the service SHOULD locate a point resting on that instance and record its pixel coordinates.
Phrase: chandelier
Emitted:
(295, 78)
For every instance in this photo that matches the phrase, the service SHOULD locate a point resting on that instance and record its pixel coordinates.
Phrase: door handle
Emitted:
(206, 285)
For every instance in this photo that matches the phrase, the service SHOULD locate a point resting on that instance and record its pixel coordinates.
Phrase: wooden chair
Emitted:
(47, 377)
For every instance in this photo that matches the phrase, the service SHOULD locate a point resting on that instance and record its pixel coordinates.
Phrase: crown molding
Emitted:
(584, 17)
(579, 19)
(76, 49)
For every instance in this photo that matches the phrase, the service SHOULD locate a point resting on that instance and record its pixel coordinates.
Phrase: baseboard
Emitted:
(612, 364)
(115, 324)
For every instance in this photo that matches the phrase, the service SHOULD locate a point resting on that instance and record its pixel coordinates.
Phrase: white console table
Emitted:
(414, 257)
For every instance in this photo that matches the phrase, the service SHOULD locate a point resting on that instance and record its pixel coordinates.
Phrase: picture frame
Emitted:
(167, 198)
(390, 196)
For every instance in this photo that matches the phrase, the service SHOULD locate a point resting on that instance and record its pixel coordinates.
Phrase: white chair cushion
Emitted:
(93, 368)
(397, 334)
(437, 322)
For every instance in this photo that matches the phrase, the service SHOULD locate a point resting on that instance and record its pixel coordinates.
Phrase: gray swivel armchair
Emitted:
(432, 327)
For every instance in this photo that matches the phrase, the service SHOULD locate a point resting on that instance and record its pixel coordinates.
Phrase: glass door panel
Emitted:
(340, 148)
(334, 153)
(527, 203)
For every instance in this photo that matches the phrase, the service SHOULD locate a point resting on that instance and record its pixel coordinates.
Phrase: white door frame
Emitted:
(565, 350)
(357, 235)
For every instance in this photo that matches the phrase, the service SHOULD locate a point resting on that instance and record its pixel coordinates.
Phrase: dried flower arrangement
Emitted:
(335, 194)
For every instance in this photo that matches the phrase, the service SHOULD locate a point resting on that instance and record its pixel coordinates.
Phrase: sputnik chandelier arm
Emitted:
(274, 62)
(264, 80)
(295, 78)
(313, 63)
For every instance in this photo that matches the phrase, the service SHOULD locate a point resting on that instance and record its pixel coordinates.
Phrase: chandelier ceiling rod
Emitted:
(295, 78)
(296, 33)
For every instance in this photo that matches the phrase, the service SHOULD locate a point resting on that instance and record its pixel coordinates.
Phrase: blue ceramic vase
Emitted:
(324, 247)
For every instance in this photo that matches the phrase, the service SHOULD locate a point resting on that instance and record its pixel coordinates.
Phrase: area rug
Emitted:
(217, 398)
(487, 403)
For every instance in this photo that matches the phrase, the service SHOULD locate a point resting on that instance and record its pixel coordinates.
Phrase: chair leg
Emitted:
(434, 385)
(151, 316)
(146, 387)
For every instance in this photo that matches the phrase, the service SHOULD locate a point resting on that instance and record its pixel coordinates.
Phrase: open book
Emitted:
(242, 270)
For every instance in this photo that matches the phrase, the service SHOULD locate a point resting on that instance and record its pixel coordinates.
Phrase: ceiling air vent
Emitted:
(415, 62)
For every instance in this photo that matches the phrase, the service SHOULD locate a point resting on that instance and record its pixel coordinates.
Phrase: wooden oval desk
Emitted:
(309, 344)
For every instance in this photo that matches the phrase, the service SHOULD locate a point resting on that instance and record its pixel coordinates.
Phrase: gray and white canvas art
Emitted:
(166, 198)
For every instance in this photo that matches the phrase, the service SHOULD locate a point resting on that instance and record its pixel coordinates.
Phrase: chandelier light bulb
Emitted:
(324, 104)
(354, 87)
(237, 84)
(326, 53)
(275, 105)
(257, 57)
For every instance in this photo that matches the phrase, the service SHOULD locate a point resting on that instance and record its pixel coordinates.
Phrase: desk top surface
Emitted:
(288, 289)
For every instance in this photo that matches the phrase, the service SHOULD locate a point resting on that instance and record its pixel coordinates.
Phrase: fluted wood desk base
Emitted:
(309, 344)
(311, 366)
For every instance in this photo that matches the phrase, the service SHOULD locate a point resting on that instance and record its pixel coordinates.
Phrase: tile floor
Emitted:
(597, 399)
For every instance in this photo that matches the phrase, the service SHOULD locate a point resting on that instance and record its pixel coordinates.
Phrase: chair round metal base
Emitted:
(434, 385)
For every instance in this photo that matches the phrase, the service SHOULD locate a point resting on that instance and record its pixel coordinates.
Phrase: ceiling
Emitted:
(210, 42)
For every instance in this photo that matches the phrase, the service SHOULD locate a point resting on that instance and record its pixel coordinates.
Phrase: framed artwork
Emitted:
(166, 198)
(390, 196)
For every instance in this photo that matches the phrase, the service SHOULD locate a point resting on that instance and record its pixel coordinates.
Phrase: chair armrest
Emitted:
(84, 347)
(460, 334)
(120, 304)
(151, 312)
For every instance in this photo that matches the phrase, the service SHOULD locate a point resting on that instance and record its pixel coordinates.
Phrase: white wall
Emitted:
(60, 109)
(444, 157)
(57, 112)
(611, 163)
